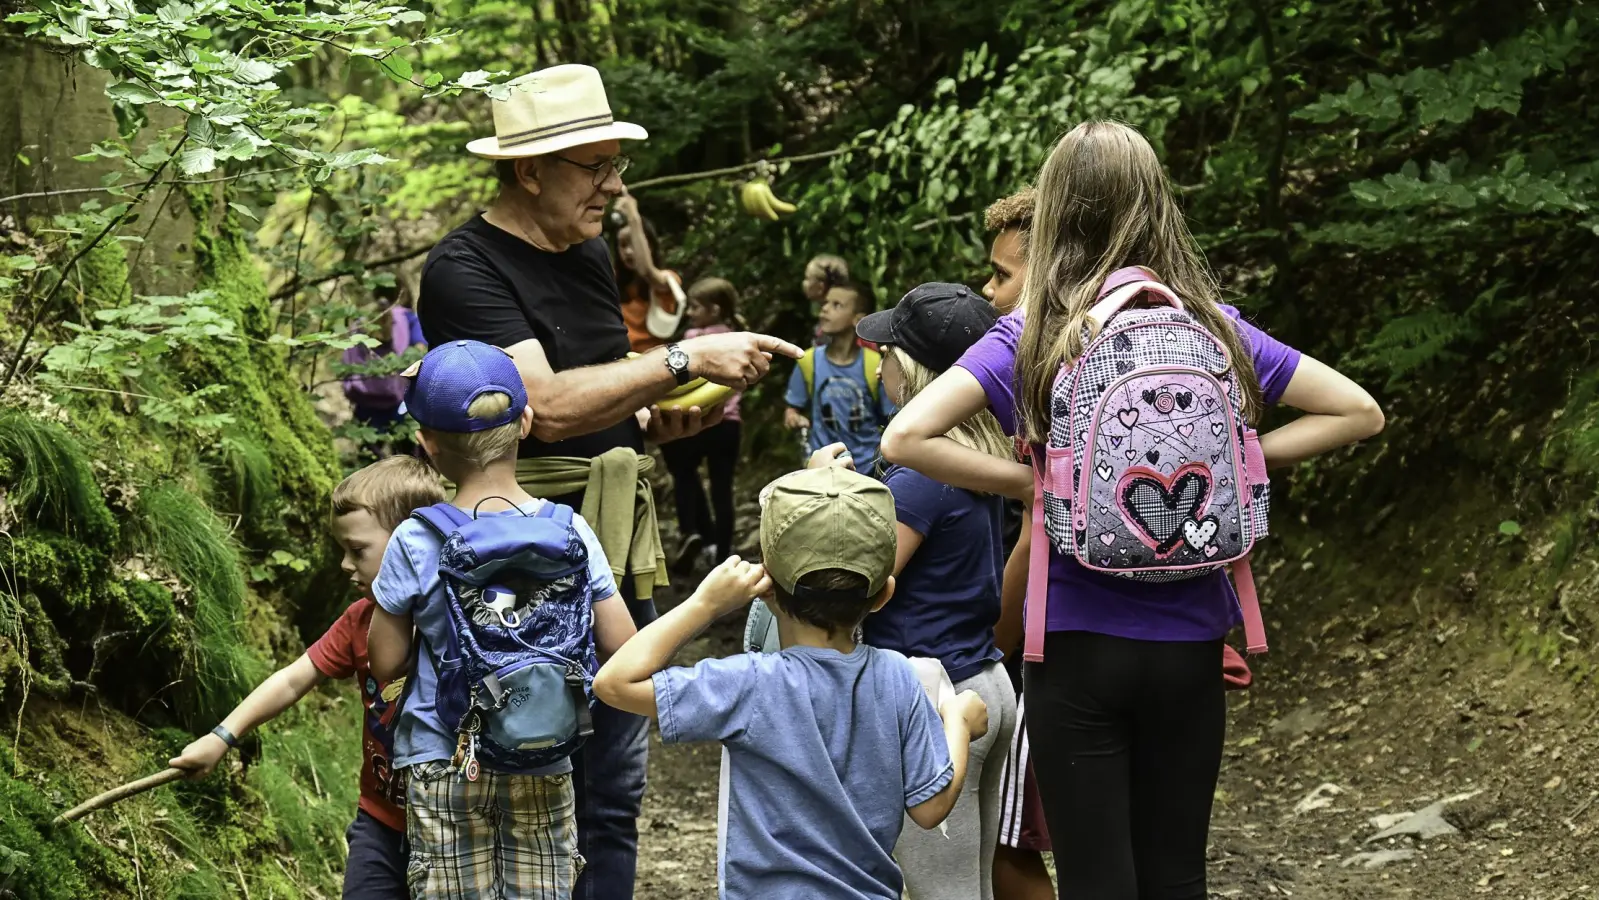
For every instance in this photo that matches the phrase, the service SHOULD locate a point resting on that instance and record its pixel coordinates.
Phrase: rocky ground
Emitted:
(1393, 754)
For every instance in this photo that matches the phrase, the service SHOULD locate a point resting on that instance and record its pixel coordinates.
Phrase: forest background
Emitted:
(203, 203)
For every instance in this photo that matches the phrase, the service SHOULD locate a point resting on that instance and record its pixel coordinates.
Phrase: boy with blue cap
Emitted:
(501, 834)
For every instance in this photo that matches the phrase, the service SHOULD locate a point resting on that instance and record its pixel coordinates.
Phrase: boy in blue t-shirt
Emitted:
(503, 834)
(829, 743)
(841, 400)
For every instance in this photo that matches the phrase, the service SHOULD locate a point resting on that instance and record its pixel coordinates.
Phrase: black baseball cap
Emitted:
(935, 323)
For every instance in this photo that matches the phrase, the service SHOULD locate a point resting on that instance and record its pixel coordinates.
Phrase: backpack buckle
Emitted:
(491, 683)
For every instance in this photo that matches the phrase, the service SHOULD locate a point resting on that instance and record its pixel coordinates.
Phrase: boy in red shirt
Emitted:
(367, 507)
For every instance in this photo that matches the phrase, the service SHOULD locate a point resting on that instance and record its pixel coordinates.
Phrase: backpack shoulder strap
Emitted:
(560, 512)
(807, 367)
(873, 359)
(442, 518)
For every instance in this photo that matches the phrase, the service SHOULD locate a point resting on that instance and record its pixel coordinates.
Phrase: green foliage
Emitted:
(48, 476)
(176, 528)
(42, 861)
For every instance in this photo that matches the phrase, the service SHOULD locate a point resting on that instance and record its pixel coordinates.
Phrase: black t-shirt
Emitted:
(481, 283)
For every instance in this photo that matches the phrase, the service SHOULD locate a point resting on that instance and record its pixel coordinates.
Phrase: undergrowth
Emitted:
(176, 527)
(50, 479)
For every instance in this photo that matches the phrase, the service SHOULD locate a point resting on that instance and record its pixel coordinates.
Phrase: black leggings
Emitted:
(718, 447)
(1126, 738)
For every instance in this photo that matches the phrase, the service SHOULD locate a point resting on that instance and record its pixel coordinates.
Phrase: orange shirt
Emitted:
(636, 305)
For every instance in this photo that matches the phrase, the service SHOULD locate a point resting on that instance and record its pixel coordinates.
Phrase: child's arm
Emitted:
(797, 398)
(625, 682)
(965, 719)
(915, 438)
(1340, 412)
(1013, 590)
(388, 644)
(281, 690)
(613, 626)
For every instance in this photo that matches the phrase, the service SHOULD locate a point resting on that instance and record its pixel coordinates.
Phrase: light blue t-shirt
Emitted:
(408, 583)
(825, 752)
(841, 407)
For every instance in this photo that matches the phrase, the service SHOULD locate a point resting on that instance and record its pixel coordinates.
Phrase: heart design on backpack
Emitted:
(1197, 534)
(1128, 417)
(1157, 506)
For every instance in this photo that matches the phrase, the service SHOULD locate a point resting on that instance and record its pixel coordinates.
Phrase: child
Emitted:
(1127, 711)
(828, 743)
(504, 833)
(947, 570)
(646, 290)
(1010, 220)
(367, 506)
(824, 272)
(712, 309)
(834, 391)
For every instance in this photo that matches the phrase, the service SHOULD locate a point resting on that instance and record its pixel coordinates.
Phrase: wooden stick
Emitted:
(121, 793)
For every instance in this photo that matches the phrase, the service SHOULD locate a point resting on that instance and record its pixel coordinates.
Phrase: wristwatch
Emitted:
(227, 737)
(677, 363)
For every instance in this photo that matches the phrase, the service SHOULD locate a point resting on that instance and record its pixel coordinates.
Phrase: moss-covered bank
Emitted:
(135, 608)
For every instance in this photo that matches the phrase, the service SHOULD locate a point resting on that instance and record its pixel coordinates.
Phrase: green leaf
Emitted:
(243, 210)
(398, 68)
(199, 129)
(131, 92)
(434, 79)
(1510, 528)
(197, 161)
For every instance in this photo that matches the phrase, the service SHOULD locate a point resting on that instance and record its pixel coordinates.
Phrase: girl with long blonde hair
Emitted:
(947, 573)
(1126, 715)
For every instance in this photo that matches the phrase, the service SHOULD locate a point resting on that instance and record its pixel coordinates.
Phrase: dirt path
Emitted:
(1351, 720)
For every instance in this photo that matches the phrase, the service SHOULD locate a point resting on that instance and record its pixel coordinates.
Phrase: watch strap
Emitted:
(227, 737)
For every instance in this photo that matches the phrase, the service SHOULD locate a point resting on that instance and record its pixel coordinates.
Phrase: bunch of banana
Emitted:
(698, 392)
(758, 200)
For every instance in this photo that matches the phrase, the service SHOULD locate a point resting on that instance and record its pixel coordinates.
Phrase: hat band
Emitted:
(556, 130)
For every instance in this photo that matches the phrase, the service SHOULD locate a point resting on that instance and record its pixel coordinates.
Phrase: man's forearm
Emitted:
(585, 400)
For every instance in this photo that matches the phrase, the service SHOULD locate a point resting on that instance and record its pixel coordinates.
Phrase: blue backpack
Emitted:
(516, 673)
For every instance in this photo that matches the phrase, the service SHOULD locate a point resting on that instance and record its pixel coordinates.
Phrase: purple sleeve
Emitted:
(1275, 361)
(992, 361)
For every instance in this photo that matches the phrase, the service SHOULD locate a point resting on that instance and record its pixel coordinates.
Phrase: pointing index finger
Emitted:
(771, 344)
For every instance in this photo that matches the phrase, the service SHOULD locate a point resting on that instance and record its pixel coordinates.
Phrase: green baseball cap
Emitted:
(828, 518)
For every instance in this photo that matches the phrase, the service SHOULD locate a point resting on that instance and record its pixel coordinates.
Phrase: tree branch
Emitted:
(113, 188)
(296, 284)
(734, 170)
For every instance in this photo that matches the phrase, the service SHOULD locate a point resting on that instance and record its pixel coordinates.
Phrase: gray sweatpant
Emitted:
(960, 866)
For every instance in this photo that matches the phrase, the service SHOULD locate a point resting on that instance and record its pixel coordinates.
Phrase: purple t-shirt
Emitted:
(1196, 609)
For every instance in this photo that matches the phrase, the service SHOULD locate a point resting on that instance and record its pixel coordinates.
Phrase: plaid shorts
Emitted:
(502, 837)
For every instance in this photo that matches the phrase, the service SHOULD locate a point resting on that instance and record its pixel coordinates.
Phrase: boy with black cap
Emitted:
(494, 834)
(829, 743)
(949, 566)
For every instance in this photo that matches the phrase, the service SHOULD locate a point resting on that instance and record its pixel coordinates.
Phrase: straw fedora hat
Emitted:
(550, 110)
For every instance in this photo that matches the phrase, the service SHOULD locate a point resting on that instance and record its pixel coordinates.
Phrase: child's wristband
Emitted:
(227, 737)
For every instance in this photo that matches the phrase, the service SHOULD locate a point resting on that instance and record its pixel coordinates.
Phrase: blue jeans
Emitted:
(609, 773)
(375, 869)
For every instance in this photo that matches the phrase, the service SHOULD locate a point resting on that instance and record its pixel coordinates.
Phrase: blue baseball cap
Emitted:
(451, 376)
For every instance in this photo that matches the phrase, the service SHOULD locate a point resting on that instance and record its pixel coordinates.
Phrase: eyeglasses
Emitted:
(602, 169)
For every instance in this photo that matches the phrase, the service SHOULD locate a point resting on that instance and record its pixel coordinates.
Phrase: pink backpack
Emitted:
(1151, 472)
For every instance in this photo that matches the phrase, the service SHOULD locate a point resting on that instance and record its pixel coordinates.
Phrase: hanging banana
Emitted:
(757, 199)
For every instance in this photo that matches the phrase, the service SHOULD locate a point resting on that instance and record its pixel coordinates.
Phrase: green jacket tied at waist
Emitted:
(618, 504)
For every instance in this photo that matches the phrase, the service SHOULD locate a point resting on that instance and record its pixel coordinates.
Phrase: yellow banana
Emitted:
(706, 397)
(747, 199)
(775, 204)
(763, 193)
(686, 389)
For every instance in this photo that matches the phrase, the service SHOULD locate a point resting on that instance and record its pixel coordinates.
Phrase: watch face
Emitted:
(677, 358)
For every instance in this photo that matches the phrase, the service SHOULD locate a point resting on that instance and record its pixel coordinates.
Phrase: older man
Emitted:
(533, 275)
